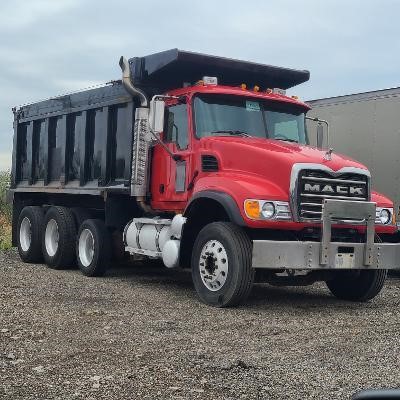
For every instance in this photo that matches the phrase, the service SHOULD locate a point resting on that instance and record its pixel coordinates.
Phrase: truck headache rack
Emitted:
(170, 69)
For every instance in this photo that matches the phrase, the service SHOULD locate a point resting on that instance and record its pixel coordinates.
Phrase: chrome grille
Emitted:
(314, 186)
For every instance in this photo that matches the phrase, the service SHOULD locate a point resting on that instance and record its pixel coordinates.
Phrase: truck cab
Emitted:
(247, 144)
(223, 181)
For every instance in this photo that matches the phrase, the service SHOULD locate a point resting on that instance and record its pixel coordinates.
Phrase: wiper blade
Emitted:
(287, 140)
(232, 132)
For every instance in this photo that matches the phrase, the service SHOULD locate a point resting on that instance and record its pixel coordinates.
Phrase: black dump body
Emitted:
(82, 143)
(75, 143)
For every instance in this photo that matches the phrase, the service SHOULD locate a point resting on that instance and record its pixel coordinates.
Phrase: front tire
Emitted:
(221, 265)
(359, 285)
(29, 234)
(58, 240)
(93, 248)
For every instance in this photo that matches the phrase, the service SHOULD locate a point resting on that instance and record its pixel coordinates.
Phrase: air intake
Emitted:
(209, 163)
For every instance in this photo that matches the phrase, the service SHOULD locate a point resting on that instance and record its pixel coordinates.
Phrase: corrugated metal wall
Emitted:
(366, 127)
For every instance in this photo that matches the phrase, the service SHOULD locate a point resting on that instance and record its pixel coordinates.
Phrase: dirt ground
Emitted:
(141, 333)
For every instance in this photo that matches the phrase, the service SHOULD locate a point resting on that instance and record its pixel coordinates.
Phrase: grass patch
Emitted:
(5, 212)
(5, 233)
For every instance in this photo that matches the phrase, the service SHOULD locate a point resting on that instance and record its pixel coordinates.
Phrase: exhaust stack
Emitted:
(140, 154)
(127, 82)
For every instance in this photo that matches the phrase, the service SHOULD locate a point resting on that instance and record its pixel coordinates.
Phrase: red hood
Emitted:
(271, 153)
(261, 169)
(269, 159)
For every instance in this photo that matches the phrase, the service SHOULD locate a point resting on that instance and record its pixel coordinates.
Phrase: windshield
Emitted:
(217, 115)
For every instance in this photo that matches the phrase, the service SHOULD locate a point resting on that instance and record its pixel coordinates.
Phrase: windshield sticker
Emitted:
(252, 105)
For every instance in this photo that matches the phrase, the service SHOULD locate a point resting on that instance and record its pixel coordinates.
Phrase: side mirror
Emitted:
(320, 136)
(156, 115)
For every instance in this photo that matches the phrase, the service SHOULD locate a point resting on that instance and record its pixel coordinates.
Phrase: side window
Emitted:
(177, 125)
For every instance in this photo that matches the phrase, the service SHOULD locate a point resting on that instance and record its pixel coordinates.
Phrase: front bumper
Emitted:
(273, 254)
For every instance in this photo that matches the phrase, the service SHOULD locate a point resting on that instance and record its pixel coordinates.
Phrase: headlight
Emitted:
(267, 210)
(384, 216)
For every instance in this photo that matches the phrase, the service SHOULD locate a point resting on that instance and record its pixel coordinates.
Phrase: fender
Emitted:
(226, 201)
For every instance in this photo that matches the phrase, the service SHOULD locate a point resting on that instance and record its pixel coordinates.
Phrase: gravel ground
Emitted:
(140, 333)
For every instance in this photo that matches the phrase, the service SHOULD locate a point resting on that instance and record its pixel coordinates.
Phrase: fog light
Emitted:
(268, 210)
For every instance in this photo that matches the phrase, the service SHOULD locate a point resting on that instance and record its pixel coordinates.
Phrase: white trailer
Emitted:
(366, 126)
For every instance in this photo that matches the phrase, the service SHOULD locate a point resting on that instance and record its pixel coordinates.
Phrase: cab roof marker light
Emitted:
(268, 91)
(210, 80)
(256, 88)
(295, 97)
(243, 86)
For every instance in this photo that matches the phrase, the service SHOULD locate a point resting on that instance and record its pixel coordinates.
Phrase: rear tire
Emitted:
(29, 234)
(360, 285)
(93, 248)
(58, 239)
(221, 265)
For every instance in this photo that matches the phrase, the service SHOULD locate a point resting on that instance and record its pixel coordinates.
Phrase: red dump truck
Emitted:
(202, 162)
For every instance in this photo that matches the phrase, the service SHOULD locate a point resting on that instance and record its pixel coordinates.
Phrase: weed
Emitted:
(5, 212)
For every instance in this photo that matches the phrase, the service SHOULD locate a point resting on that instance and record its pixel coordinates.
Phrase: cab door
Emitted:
(170, 178)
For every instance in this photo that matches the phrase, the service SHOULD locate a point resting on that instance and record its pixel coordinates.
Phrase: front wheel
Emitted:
(221, 265)
(357, 285)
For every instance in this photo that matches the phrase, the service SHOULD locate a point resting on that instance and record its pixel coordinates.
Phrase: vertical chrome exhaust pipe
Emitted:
(140, 156)
(128, 84)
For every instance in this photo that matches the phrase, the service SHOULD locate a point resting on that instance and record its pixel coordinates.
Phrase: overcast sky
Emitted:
(49, 47)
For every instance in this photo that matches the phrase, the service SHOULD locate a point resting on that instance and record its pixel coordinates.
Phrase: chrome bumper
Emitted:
(327, 254)
(306, 255)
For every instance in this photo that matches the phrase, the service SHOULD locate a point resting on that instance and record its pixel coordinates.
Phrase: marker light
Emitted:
(256, 88)
(200, 83)
(243, 86)
(295, 97)
(268, 91)
(252, 208)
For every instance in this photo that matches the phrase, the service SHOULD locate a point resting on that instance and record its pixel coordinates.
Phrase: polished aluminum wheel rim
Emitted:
(86, 247)
(51, 238)
(213, 265)
(25, 234)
